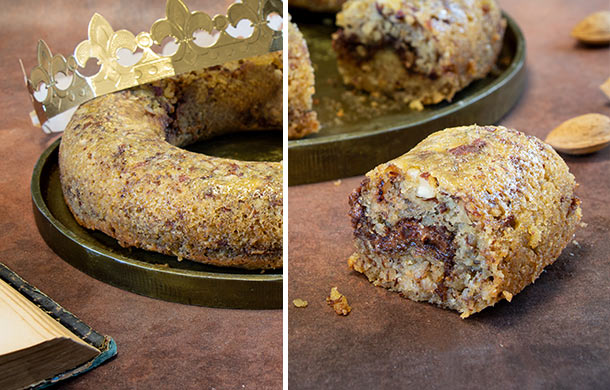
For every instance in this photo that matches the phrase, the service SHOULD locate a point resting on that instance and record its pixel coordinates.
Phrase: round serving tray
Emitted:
(350, 143)
(139, 271)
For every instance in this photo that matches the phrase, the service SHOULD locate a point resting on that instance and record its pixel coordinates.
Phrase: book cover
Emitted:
(105, 344)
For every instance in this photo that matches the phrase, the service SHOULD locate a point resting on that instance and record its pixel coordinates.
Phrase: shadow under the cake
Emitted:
(536, 295)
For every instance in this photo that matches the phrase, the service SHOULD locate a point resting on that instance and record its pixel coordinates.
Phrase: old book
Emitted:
(40, 342)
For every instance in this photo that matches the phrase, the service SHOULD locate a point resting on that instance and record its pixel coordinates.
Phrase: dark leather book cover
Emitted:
(105, 344)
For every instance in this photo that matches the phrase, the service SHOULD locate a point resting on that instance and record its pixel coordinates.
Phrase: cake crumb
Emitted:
(583, 225)
(339, 302)
(576, 243)
(300, 303)
(337, 182)
(416, 105)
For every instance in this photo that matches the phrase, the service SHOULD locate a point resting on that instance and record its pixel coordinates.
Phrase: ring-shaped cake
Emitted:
(123, 172)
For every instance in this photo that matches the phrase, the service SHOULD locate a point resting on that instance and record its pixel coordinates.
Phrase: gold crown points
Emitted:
(56, 84)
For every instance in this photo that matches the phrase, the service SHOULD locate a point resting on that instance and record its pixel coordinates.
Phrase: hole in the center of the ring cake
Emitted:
(126, 57)
(203, 38)
(244, 146)
(242, 30)
(274, 21)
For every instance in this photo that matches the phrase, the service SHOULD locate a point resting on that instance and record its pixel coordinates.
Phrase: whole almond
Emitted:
(581, 135)
(594, 29)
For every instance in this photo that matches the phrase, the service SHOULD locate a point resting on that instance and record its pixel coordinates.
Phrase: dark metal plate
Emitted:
(148, 273)
(360, 131)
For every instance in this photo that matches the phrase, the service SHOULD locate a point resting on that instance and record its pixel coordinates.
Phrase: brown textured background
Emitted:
(160, 344)
(555, 334)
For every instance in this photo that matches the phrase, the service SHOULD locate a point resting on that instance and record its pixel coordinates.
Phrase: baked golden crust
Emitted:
(421, 51)
(123, 173)
(302, 119)
(468, 217)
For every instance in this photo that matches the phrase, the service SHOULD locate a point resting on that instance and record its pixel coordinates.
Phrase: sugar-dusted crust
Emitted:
(420, 51)
(302, 119)
(318, 5)
(468, 217)
(123, 173)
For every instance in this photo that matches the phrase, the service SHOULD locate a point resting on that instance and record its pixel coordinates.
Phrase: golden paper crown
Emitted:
(56, 85)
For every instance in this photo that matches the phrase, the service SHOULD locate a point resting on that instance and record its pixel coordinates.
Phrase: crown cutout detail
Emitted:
(57, 84)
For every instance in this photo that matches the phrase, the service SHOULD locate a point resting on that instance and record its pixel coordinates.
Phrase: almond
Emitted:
(594, 29)
(581, 135)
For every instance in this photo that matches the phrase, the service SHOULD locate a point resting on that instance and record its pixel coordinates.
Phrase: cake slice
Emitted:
(302, 119)
(468, 217)
(417, 51)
